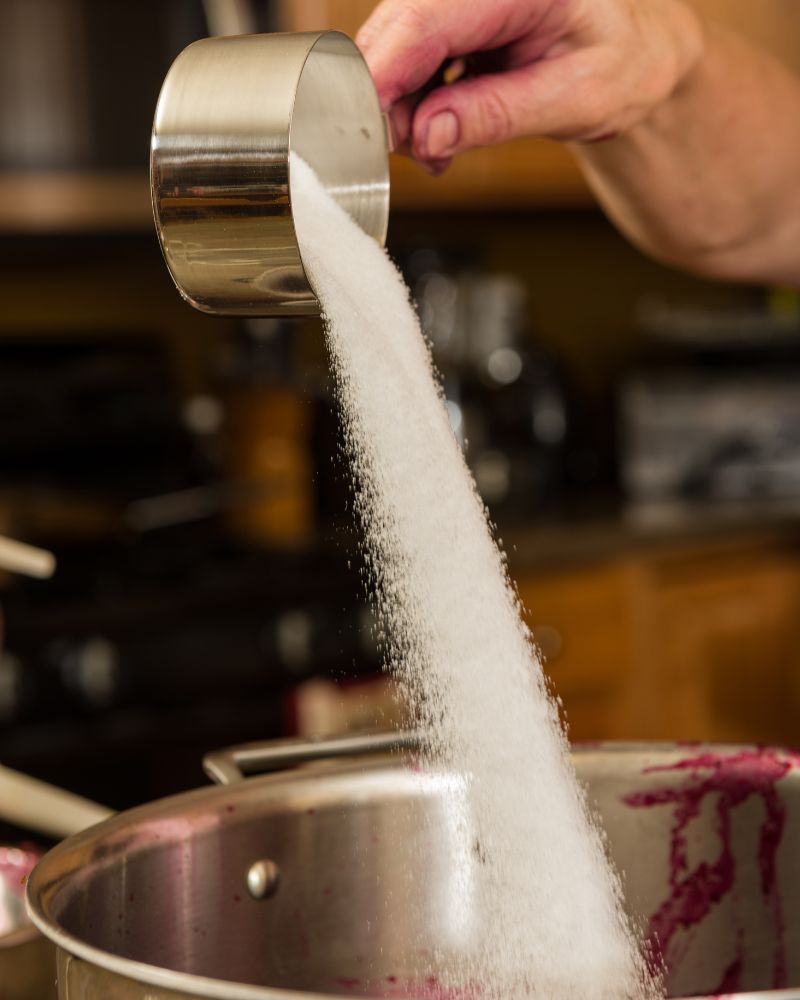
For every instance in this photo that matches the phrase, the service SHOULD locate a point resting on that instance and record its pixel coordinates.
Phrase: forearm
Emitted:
(710, 180)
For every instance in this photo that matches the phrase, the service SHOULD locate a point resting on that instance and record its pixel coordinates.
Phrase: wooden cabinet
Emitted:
(723, 645)
(581, 621)
(698, 643)
(74, 201)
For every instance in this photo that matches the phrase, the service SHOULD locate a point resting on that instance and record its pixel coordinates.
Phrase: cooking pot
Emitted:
(323, 880)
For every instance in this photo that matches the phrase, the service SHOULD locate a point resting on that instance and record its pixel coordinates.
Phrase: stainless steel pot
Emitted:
(321, 880)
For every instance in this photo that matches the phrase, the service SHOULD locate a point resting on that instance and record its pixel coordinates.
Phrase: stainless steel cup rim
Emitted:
(230, 111)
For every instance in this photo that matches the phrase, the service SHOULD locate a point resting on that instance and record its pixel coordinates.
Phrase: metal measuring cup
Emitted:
(229, 112)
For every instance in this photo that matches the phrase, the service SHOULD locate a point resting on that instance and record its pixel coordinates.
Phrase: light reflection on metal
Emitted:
(230, 111)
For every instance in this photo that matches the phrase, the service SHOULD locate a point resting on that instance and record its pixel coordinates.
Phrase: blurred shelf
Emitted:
(527, 174)
(532, 174)
(70, 202)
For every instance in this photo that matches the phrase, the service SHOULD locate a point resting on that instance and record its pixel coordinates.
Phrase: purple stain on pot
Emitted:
(732, 977)
(732, 779)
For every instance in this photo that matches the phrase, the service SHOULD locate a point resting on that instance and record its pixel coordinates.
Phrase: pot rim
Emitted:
(219, 989)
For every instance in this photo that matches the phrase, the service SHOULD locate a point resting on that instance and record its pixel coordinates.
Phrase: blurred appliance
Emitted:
(716, 413)
(724, 434)
(92, 411)
(79, 78)
(505, 393)
(136, 657)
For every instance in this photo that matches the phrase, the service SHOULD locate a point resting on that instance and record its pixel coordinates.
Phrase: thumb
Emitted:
(551, 98)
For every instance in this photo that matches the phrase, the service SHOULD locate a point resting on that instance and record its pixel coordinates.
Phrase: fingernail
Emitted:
(441, 135)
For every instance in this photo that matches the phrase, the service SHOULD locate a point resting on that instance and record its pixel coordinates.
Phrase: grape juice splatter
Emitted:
(729, 779)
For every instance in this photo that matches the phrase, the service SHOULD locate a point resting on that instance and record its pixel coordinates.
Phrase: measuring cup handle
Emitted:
(234, 764)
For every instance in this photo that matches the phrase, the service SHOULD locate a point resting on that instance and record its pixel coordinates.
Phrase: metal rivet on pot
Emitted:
(262, 879)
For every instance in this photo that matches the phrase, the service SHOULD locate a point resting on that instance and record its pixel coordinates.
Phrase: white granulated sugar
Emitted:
(550, 904)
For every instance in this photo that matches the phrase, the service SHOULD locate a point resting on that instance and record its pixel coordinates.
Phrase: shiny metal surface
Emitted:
(226, 767)
(229, 112)
(154, 903)
(263, 878)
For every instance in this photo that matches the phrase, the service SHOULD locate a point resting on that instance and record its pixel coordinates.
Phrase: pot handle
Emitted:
(234, 764)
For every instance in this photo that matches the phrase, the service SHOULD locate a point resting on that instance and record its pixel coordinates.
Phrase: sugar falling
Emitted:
(549, 903)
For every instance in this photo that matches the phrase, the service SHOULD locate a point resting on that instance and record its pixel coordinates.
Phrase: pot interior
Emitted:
(358, 866)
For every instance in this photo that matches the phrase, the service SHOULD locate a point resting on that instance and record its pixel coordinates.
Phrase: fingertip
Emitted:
(363, 38)
(371, 28)
(434, 167)
(385, 87)
(440, 166)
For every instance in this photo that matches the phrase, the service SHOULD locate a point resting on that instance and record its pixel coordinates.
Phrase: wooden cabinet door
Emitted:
(723, 647)
(701, 642)
(581, 622)
(311, 15)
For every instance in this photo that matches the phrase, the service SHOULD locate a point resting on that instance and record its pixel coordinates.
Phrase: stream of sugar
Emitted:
(551, 921)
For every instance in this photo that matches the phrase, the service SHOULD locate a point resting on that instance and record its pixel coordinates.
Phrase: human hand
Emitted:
(575, 70)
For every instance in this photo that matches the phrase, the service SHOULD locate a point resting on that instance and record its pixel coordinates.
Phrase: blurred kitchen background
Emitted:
(634, 432)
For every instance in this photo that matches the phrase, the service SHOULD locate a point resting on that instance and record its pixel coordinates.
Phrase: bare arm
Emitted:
(711, 179)
(689, 136)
